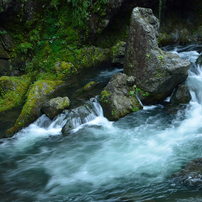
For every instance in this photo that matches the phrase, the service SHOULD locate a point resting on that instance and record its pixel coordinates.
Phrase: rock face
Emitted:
(191, 174)
(181, 95)
(119, 98)
(156, 72)
(55, 106)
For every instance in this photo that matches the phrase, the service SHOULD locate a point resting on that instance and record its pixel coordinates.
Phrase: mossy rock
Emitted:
(90, 85)
(36, 97)
(12, 91)
(92, 56)
(118, 53)
(55, 106)
(118, 98)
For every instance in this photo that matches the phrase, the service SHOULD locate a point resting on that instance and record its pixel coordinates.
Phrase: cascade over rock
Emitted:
(156, 72)
(55, 106)
(38, 94)
(81, 115)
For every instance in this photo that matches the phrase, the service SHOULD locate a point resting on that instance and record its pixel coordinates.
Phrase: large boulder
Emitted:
(156, 72)
(55, 106)
(119, 97)
(38, 94)
(191, 174)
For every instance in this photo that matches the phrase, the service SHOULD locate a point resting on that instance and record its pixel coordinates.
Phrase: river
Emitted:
(128, 160)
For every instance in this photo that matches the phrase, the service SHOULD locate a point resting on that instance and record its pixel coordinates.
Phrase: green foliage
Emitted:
(135, 109)
(104, 94)
(132, 93)
(3, 32)
(24, 47)
(160, 57)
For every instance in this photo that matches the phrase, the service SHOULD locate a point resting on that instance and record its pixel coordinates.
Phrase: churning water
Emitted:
(128, 160)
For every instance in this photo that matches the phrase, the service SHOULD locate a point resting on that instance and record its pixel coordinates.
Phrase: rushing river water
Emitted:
(128, 160)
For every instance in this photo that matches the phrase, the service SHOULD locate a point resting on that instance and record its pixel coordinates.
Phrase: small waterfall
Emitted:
(82, 115)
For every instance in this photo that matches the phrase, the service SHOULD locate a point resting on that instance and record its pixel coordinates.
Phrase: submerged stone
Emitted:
(191, 174)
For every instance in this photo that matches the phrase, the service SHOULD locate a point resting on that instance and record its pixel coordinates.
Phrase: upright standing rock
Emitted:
(156, 72)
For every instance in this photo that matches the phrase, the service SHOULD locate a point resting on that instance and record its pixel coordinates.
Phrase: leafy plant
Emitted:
(160, 57)
(132, 93)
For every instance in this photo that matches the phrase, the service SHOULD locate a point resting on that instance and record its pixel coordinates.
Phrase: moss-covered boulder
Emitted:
(55, 106)
(119, 98)
(12, 91)
(118, 53)
(36, 97)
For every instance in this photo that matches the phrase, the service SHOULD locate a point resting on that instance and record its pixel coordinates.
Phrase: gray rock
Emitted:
(55, 106)
(156, 72)
(181, 95)
(191, 174)
(118, 98)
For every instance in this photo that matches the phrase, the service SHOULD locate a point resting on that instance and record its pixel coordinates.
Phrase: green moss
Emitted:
(90, 85)
(12, 91)
(104, 95)
(135, 109)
